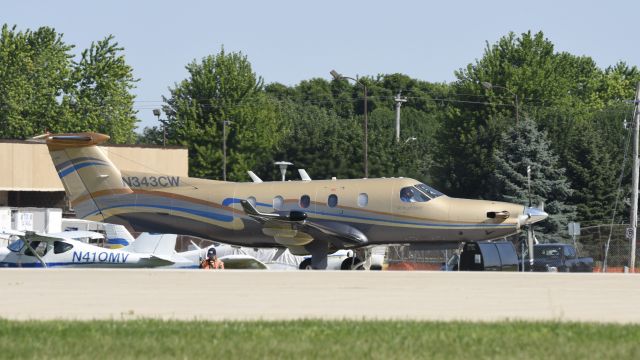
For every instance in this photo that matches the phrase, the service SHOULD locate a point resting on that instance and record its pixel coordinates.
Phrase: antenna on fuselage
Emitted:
(303, 175)
(254, 177)
(283, 167)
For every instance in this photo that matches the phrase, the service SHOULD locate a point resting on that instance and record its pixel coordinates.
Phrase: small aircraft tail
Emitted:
(160, 245)
(86, 172)
(117, 236)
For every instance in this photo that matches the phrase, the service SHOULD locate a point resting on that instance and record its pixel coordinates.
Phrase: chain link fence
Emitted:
(592, 242)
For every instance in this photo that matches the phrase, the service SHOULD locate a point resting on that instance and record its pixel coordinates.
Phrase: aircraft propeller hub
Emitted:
(534, 215)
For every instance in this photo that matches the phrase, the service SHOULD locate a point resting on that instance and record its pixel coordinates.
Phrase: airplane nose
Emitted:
(534, 215)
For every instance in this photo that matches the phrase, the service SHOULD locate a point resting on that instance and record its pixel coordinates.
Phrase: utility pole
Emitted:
(224, 149)
(399, 100)
(530, 229)
(366, 133)
(634, 183)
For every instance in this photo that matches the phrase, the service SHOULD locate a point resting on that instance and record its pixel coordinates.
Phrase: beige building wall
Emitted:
(28, 167)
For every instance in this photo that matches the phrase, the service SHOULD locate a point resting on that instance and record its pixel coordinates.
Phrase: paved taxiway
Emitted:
(217, 295)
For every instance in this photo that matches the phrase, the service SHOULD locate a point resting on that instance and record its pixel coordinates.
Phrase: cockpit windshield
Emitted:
(418, 193)
(16, 246)
(429, 191)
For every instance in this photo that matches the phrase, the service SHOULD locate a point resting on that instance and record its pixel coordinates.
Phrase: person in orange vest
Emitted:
(212, 261)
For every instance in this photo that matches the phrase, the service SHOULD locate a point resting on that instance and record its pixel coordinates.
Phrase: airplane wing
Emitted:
(339, 234)
(11, 232)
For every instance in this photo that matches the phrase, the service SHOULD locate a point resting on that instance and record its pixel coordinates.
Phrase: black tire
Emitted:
(349, 262)
(305, 265)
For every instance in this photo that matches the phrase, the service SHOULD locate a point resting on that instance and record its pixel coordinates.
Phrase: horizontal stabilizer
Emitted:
(155, 260)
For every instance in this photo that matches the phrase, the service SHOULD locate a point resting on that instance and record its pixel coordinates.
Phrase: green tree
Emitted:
(559, 90)
(593, 175)
(522, 147)
(220, 88)
(35, 69)
(42, 89)
(150, 136)
(100, 99)
(319, 141)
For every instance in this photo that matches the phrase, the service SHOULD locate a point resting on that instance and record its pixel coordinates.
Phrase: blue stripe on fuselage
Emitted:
(73, 168)
(206, 214)
(78, 160)
(229, 201)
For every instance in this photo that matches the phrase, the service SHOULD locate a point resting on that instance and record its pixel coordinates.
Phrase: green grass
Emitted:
(157, 339)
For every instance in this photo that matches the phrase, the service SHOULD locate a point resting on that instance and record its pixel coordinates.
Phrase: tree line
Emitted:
(522, 110)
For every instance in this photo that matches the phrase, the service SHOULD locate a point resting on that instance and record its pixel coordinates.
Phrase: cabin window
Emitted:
(363, 199)
(332, 201)
(60, 247)
(278, 201)
(305, 201)
(252, 201)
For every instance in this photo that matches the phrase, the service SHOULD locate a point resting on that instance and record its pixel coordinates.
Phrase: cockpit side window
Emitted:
(418, 193)
(39, 246)
(60, 247)
(411, 194)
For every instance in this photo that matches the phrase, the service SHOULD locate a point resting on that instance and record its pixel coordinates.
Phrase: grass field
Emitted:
(316, 339)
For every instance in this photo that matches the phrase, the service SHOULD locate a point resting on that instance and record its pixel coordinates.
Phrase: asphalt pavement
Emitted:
(252, 295)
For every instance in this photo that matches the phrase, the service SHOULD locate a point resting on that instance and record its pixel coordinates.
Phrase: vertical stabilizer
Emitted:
(89, 177)
(117, 236)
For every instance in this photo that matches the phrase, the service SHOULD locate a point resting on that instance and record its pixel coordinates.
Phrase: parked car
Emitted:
(485, 256)
(558, 257)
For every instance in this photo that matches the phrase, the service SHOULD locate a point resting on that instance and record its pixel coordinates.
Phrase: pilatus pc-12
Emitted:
(314, 217)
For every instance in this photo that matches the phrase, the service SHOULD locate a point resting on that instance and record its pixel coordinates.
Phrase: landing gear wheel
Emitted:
(305, 265)
(348, 263)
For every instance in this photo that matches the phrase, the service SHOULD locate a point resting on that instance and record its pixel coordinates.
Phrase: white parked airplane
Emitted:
(76, 249)
(65, 249)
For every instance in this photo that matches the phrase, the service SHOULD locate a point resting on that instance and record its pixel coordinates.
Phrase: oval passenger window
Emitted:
(363, 199)
(305, 201)
(277, 202)
(333, 200)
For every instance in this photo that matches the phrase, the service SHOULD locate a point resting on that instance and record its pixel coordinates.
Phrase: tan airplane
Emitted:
(308, 217)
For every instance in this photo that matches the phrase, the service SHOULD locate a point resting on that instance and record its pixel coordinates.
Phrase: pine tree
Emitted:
(525, 146)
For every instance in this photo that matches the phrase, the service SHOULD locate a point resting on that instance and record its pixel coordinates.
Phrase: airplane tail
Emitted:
(160, 245)
(88, 176)
(117, 236)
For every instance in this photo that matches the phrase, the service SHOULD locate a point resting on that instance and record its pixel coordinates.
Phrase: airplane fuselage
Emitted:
(211, 209)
